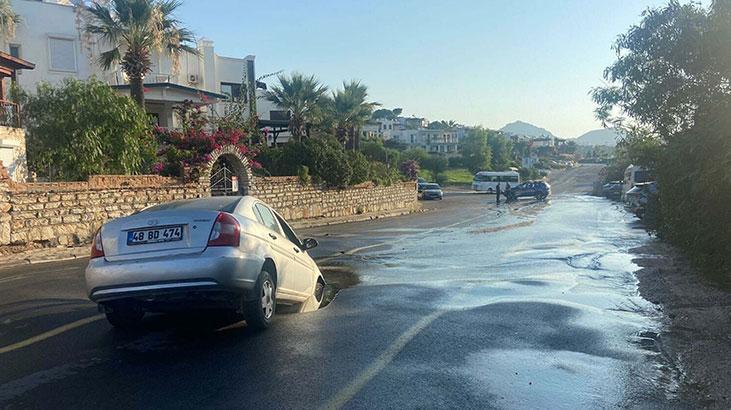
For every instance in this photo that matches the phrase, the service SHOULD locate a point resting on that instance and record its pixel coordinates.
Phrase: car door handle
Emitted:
(271, 235)
(296, 249)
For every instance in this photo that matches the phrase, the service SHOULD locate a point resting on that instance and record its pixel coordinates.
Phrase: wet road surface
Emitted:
(466, 305)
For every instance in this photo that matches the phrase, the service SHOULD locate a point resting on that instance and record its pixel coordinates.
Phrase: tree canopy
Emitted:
(476, 153)
(104, 133)
(671, 86)
(303, 97)
(134, 29)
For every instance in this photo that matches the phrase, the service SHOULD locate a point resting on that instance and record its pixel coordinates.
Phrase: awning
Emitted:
(173, 92)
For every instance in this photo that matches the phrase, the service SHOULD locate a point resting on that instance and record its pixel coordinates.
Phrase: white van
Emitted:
(634, 175)
(487, 181)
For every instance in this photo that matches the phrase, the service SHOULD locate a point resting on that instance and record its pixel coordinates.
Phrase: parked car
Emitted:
(636, 198)
(224, 253)
(613, 189)
(432, 191)
(420, 186)
(536, 189)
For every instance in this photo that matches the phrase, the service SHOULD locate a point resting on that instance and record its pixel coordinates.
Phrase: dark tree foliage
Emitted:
(672, 78)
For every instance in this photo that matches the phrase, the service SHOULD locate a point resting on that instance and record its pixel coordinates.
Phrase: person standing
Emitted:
(497, 194)
(507, 192)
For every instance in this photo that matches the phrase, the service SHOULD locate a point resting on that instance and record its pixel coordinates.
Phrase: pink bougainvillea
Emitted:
(191, 147)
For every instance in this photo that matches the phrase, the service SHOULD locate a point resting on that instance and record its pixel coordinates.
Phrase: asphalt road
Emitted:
(467, 305)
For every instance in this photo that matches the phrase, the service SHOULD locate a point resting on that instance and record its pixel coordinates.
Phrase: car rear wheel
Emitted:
(124, 314)
(259, 311)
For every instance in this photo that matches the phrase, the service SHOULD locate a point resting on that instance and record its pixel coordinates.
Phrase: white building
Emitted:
(371, 130)
(545, 141)
(273, 119)
(51, 36)
(444, 141)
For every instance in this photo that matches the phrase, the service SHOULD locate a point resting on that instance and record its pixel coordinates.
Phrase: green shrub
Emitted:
(381, 174)
(437, 165)
(360, 166)
(416, 154)
(303, 172)
(81, 128)
(456, 162)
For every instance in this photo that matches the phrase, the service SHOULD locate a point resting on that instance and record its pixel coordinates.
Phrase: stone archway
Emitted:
(226, 163)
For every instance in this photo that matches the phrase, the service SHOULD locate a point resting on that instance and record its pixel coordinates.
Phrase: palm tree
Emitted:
(302, 96)
(350, 110)
(8, 20)
(135, 29)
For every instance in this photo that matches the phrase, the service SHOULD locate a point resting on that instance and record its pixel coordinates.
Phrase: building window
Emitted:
(15, 50)
(62, 53)
(233, 90)
(279, 115)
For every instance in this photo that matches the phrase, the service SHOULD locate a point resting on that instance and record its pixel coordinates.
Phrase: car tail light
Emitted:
(225, 231)
(97, 249)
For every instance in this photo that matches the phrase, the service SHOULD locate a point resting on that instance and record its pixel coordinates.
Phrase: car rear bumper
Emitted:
(215, 269)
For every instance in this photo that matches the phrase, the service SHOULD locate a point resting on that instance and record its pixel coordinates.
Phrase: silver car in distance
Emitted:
(227, 253)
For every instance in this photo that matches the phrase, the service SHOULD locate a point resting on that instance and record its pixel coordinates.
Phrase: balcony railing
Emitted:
(9, 114)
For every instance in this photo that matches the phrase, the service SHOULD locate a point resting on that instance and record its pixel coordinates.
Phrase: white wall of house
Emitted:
(50, 36)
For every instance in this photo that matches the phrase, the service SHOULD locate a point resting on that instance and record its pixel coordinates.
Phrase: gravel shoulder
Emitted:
(697, 334)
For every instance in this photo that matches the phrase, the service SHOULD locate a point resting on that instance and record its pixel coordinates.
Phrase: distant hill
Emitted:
(605, 136)
(528, 130)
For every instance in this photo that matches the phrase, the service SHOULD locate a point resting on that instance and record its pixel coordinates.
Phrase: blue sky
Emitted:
(483, 62)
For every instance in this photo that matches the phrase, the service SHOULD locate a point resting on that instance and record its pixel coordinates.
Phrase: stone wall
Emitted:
(295, 201)
(69, 213)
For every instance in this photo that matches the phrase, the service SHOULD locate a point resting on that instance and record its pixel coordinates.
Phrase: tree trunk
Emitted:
(356, 139)
(137, 91)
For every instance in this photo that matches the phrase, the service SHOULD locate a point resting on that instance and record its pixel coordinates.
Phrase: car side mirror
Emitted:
(309, 243)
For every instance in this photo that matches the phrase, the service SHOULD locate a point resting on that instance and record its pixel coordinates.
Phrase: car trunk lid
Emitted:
(157, 234)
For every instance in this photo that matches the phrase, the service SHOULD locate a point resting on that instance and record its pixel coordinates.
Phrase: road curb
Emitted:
(34, 261)
(357, 218)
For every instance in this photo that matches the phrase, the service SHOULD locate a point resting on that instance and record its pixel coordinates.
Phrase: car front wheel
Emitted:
(259, 311)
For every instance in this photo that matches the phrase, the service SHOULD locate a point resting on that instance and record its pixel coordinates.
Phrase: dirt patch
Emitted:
(337, 277)
(697, 333)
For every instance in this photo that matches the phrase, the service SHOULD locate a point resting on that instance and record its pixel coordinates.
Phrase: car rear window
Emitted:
(218, 203)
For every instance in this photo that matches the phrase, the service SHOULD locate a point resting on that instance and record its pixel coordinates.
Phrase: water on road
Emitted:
(535, 305)
(528, 305)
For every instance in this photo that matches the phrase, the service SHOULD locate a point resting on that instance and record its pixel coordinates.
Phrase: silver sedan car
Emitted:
(231, 253)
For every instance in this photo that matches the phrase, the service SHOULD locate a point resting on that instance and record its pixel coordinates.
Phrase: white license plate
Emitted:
(155, 235)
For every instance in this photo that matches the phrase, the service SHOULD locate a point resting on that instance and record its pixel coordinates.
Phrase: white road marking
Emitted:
(349, 391)
(49, 334)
